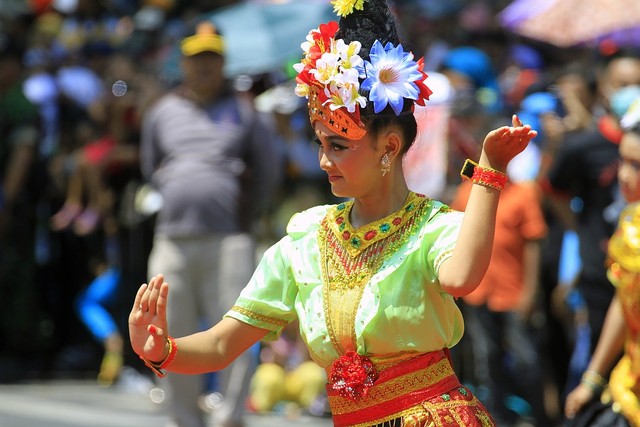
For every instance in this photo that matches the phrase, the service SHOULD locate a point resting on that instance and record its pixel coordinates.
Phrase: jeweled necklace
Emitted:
(350, 257)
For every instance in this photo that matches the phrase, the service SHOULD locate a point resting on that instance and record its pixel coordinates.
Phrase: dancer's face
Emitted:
(353, 166)
(629, 171)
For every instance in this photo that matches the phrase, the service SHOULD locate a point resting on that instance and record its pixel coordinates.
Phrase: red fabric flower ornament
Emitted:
(319, 42)
(352, 375)
(425, 92)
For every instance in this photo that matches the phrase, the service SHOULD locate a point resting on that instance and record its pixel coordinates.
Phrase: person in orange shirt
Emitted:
(501, 334)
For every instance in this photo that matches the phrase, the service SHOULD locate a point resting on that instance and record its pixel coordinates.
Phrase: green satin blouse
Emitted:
(383, 297)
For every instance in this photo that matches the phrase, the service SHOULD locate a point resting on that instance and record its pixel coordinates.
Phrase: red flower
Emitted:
(322, 40)
(323, 37)
(352, 375)
(425, 92)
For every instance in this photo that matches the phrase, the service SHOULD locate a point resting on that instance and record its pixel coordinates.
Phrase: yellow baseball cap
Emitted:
(205, 39)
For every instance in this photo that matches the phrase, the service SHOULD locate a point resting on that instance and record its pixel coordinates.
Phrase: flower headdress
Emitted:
(358, 65)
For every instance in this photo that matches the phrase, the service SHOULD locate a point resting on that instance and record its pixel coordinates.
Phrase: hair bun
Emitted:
(374, 22)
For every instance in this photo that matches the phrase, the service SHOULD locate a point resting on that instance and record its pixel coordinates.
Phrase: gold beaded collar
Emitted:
(356, 240)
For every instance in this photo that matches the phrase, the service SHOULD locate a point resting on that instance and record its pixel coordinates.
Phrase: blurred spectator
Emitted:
(88, 200)
(86, 21)
(524, 67)
(618, 403)
(92, 307)
(575, 86)
(501, 310)
(583, 171)
(543, 110)
(216, 165)
(472, 72)
(475, 104)
(19, 138)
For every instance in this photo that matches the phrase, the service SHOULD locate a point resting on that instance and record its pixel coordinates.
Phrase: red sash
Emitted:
(397, 388)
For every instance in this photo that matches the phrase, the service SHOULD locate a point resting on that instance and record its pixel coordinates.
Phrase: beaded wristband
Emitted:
(157, 367)
(593, 380)
(487, 177)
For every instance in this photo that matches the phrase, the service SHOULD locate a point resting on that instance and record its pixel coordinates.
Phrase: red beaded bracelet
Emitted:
(486, 177)
(157, 367)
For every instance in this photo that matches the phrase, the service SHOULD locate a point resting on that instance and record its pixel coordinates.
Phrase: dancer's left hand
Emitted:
(501, 145)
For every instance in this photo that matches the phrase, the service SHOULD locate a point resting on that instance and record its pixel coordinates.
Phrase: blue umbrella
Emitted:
(263, 36)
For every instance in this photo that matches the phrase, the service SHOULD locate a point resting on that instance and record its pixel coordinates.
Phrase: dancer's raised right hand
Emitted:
(148, 320)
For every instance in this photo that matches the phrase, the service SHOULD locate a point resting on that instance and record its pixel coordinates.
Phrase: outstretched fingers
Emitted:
(155, 284)
(522, 131)
(147, 295)
(161, 306)
(137, 302)
(504, 143)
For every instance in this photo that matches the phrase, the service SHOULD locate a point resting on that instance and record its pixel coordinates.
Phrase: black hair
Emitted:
(406, 121)
(377, 22)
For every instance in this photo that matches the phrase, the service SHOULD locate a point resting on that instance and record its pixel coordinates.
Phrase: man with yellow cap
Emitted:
(212, 159)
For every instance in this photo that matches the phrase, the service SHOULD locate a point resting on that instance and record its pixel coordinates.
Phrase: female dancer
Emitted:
(371, 281)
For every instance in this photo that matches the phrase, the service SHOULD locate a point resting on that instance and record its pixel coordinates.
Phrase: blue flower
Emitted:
(391, 76)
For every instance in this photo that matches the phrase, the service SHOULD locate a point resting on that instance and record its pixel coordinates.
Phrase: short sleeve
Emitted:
(443, 229)
(268, 300)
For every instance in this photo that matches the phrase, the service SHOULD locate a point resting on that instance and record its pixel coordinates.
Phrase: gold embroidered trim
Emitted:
(388, 360)
(442, 256)
(433, 414)
(401, 385)
(350, 260)
(357, 240)
(399, 419)
(451, 416)
(262, 318)
(339, 121)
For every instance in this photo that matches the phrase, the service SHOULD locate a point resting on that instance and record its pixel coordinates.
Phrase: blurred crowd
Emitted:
(77, 78)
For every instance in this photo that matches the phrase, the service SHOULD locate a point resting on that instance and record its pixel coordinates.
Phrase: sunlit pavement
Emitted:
(83, 403)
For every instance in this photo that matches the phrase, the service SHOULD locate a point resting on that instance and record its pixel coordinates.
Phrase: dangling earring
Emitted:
(386, 164)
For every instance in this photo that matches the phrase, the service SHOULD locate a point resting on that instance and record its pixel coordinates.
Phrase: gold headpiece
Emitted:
(206, 39)
(339, 121)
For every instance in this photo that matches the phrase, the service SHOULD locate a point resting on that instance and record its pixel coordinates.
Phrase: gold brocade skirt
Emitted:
(422, 391)
(623, 389)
